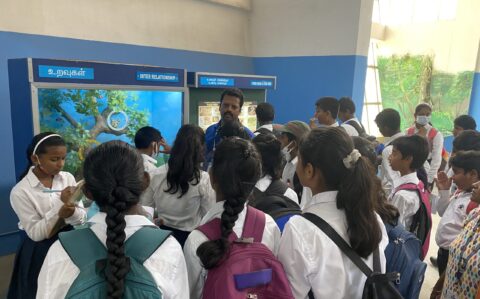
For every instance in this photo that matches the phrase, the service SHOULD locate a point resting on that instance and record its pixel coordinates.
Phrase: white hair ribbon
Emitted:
(350, 160)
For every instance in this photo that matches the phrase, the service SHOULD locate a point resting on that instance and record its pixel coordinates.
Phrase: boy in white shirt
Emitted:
(148, 141)
(453, 208)
(388, 122)
(326, 111)
(408, 154)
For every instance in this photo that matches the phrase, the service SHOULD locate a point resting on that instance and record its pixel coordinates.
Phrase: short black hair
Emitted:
(265, 112)
(466, 160)
(468, 140)
(145, 136)
(389, 118)
(233, 92)
(346, 103)
(421, 106)
(465, 122)
(414, 146)
(328, 104)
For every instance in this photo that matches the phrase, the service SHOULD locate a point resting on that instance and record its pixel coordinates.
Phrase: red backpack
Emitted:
(422, 220)
(250, 270)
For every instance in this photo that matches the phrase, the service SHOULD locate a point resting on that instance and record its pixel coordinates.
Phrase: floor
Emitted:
(432, 273)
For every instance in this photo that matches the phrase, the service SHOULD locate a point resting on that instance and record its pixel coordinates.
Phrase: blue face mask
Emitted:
(422, 120)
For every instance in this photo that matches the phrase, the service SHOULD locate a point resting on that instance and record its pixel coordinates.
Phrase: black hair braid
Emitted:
(118, 264)
(115, 178)
(236, 168)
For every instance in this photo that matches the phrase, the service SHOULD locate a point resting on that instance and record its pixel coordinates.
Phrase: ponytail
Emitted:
(356, 194)
(114, 176)
(236, 168)
(331, 151)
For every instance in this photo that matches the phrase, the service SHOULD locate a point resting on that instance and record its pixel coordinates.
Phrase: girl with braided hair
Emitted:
(115, 179)
(344, 196)
(236, 169)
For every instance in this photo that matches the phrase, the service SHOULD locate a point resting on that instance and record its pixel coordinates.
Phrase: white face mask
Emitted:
(286, 152)
(422, 120)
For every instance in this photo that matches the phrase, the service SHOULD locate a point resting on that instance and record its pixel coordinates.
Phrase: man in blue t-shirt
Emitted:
(231, 102)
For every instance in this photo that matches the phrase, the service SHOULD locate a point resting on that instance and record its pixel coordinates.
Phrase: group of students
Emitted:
(243, 218)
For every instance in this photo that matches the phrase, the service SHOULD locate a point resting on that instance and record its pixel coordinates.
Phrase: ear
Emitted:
(309, 171)
(474, 174)
(35, 160)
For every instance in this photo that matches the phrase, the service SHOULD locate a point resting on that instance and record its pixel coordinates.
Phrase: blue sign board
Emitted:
(215, 80)
(82, 72)
(158, 77)
(62, 72)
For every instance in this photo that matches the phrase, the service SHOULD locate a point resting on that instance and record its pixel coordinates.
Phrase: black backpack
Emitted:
(378, 285)
(360, 129)
(265, 131)
(274, 203)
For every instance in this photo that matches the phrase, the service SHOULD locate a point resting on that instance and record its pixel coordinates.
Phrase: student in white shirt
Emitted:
(291, 134)
(235, 170)
(408, 154)
(270, 151)
(326, 111)
(114, 179)
(422, 127)
(180, 192)
(265, 116)
(149, 143)
(462, 123)
(344, 195)
(453, 209)
(41, 202)
(346, 114)
(388, 122)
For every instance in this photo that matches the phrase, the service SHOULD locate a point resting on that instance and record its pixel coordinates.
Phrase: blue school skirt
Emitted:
(28, 263)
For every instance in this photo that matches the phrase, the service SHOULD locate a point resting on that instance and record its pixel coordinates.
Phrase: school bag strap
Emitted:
(277, 187)
(82, 246)
(343, 245)
(144, 242)
(252, 228)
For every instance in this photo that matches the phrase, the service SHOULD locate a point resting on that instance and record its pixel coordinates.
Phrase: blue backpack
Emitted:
(403, 256)
(89, 255)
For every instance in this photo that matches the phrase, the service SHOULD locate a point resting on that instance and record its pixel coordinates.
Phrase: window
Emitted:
(372, 104)
(404, 12)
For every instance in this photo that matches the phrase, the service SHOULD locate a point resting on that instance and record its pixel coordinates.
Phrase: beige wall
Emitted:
(455, 44)
(310, 27)
(179, 24)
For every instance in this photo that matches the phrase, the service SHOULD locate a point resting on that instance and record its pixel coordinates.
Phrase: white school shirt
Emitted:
(313, 261)
(387, 174)
(166, 264)
(149, 163)
(351, 131)
(289, 171)
(454, 212)
(265, 182)
(197, 275)
(183, 213)
(406, 201)
(267, 126)
(435, 154)
(38, 210)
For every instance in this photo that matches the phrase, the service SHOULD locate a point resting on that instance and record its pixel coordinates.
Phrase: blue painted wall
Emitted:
(17, 45)
(474, 110)
(303, 80)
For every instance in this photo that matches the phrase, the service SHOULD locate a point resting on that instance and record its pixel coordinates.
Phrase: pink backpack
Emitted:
(422, 220)
(250, 270)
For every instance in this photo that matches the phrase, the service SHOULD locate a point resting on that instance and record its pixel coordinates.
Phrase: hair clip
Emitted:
(350, 160)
